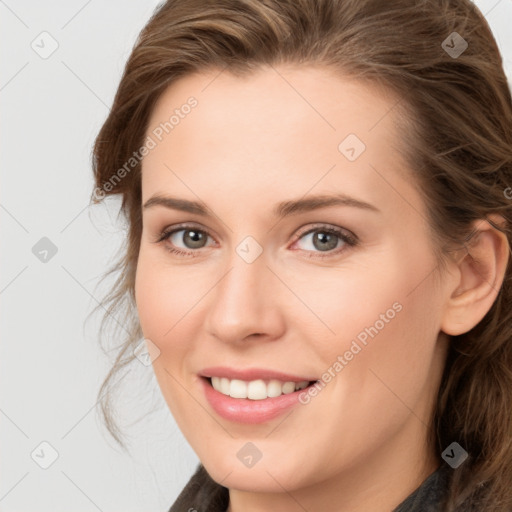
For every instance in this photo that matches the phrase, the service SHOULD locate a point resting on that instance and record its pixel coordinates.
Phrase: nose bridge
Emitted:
(244, 300)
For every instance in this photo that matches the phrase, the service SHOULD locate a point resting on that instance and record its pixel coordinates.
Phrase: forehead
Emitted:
(291, 126)
(281, 100)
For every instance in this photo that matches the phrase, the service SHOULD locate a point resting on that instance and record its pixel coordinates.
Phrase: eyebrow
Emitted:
(283, 209)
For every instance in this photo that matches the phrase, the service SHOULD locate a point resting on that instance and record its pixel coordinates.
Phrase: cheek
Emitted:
(385, 324)
(390, 350)
(162, 305)
(148, 298)
(362, 303)
(163, 295)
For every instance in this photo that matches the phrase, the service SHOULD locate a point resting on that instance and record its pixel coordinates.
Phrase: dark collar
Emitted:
(429, 496)
(202, 494)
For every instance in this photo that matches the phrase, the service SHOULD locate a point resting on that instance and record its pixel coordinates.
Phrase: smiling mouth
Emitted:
(259, 389)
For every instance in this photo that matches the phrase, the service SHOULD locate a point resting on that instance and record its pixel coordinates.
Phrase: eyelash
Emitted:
(348, 240)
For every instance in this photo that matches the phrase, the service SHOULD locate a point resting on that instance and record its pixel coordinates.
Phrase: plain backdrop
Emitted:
(54, 249)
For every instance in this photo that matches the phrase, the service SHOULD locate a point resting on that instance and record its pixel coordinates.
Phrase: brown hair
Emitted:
(458, 111)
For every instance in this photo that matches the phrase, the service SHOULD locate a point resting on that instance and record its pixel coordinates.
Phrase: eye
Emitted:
(326, 239)
(184, 240)
(191, 238)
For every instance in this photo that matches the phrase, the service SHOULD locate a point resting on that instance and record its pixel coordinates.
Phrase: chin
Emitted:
(263, 477)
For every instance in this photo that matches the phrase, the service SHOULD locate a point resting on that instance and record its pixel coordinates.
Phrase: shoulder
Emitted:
(432, 494)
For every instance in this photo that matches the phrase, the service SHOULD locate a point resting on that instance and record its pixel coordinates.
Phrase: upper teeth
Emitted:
(255, 389)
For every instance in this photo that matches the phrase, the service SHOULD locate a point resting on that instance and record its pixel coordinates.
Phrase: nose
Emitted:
(245, 303)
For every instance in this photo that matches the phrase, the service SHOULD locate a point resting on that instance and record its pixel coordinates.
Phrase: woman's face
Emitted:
(275, 176)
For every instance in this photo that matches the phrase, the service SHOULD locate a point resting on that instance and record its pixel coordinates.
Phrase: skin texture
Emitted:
(249, 144)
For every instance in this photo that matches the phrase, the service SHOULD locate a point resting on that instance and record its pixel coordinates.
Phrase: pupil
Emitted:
(324, 241)
(195, 239)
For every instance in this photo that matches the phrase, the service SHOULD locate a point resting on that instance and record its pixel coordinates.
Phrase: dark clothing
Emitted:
(202, 494)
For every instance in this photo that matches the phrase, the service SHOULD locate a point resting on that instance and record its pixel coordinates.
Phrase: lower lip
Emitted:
(245, 410)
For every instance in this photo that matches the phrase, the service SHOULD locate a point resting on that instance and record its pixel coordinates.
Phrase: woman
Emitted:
(318, 250)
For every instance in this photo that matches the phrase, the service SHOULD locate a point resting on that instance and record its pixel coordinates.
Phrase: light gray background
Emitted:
(51, 365)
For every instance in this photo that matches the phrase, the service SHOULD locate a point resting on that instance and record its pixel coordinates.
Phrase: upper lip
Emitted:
(249, 374)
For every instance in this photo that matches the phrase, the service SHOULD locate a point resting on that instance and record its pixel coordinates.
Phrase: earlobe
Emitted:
(482, 271)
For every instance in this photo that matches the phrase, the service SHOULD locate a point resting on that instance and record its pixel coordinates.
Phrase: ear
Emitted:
(480, 273)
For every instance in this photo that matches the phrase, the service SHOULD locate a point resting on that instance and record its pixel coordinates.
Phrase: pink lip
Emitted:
(252, 374)
(245, 410)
